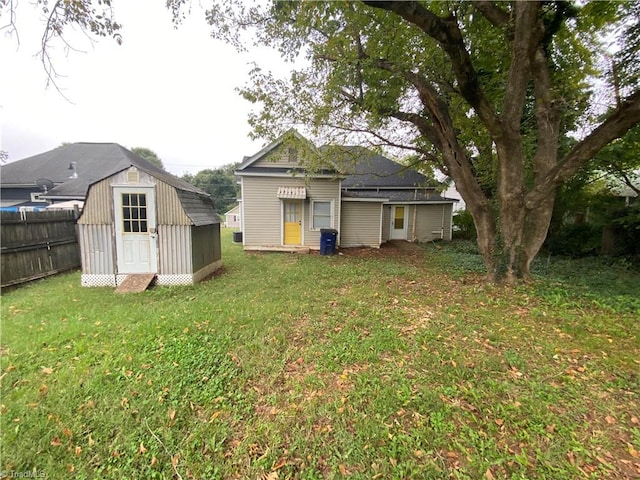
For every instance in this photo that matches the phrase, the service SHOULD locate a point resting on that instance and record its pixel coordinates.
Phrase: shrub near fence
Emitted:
(37, 244)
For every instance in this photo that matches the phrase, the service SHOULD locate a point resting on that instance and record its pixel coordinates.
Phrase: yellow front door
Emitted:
(292, 211)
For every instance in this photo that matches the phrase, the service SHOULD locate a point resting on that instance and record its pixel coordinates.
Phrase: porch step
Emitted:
(135, 283)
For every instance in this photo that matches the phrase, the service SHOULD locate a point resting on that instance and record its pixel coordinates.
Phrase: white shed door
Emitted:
(136, 239)
(399, 217)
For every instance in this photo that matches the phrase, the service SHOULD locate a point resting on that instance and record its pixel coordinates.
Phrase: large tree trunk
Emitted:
(510, 238)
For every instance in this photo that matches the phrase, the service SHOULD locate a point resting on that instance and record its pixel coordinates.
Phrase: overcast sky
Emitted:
(165, 89)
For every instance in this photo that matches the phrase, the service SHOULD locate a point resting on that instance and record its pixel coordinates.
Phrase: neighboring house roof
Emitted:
(93, 162)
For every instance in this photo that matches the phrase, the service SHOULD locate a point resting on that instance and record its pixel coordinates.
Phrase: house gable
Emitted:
(353, 196)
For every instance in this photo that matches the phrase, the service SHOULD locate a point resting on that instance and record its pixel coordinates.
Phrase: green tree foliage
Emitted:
(600, 202)
(484, 91)
(220, 183)
(148, 155)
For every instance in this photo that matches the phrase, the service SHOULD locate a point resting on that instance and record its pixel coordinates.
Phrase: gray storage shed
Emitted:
(142, 220)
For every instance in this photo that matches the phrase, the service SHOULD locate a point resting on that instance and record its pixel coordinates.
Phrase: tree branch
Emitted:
(527, 35)
(489, 10)
(446, 32)
(615, 126)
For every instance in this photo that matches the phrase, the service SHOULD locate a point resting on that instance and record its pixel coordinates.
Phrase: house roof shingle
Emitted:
(93, 162)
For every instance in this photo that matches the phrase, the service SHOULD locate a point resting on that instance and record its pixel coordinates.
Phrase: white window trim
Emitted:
(35, 197)
(312, 227)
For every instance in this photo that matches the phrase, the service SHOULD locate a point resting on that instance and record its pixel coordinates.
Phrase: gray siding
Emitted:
(386, 223)
(278, 157)
(360, 224)
(174, 246)
(98, 207)
(205, 245)
(97, 249)
(431, 220)
(262, 209)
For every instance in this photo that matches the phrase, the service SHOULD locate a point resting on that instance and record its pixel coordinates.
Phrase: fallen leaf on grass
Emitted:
(142, 448)
(56, 442)
(47, 370)
(279, 464)
(488, 475)
(632, 451)
(610, 420)
(343, 469)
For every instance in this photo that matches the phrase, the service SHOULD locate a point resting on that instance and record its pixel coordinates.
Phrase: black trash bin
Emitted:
(237, 237)
(328, 241)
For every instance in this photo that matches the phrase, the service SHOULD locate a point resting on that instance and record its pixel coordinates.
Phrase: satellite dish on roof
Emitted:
(45, 184)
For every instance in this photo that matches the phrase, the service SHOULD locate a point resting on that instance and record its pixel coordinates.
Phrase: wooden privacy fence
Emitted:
(37, 244)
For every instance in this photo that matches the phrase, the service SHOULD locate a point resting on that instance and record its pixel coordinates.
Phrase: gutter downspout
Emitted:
(413, 227)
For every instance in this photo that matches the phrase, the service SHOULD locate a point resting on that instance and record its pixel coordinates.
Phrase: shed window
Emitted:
(134, 212)
(321, 214)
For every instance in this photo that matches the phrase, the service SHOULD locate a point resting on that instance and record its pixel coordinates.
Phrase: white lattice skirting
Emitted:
(93, 280)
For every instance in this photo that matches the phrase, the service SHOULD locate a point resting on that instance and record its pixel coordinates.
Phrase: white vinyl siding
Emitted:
(360, 224)
(431, 220)
(262, 209)
(281, 156)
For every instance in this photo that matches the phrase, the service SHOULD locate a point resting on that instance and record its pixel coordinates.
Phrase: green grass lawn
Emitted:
(372, 364)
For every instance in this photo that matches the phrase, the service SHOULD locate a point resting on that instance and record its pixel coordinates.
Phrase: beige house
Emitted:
(367, 198)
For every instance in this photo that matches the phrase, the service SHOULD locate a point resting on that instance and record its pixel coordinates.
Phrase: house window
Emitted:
(134, 212)
(321, 214)
(293, 154)
(35, 197)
